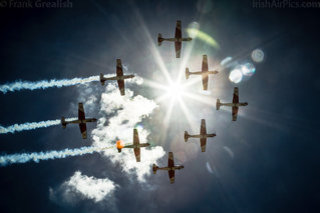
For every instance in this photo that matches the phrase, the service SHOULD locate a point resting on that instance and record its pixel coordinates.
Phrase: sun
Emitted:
(174, 91)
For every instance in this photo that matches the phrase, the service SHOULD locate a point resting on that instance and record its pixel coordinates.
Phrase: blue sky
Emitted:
(274, 145)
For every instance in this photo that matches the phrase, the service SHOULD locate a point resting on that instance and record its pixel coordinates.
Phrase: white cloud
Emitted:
(121, 114)
(79, 187)
(91, 187)
(125, 113)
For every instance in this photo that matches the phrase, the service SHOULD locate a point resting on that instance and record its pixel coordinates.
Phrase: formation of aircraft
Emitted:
(119, 78)
(135, 146)
(204, 72)
(178, 39)
(235, 104)
(82, 121)
(202, 136)
(170, 168)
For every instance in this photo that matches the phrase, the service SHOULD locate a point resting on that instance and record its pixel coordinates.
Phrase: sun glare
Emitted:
(174, 90)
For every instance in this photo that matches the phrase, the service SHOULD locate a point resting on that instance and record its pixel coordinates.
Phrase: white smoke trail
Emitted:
(37, 156)
(31, 126)
(20, 85)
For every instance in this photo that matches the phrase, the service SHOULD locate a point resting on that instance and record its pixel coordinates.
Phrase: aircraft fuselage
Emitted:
(137, 145)
(171, 168)
(177, 39)
(118, 77)
(202, 136)
(203, 73)
(82, 121)
(234, 104)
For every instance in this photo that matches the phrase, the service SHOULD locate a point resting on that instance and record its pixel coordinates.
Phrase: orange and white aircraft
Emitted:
(135, 146)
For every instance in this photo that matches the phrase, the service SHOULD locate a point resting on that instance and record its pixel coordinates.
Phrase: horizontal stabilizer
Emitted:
(186, 136)
(154, 168)
(63, 122)
(160, 39)
(187, 73)
(101, 79)
(218, 104)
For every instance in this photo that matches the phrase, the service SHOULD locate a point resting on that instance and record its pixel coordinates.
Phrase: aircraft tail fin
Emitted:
(187, 73)
(101, 79)
(218, 104)
(186, 136)
(154, 168)
(160, 39)
(63, 122)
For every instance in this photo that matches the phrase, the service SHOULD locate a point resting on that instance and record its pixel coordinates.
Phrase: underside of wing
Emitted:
(83, 130)
(234, 113)
(178, 35)
(136, 140)
(204, 63)
(81, 115)
(171, 175)
(170, 160)
(203, 142)
(137, 154)
(203, 128)
(178, 30)
(121, 86)
(119, 68)
(205, 79)
(235, 99)
(177, 46)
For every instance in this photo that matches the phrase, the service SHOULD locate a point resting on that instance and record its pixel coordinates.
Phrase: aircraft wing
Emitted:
(136, 141)
(170, 160)
(83, 129)
(137, 154)
(81, 115)
(203, 143)
(205, 78)
(234, 113)
(203, 129)
(235, 99)
(178, 35)
(171, 164)
(120, 73)
(204, 63)
(177, 46)
(171, 175)
(121, 86)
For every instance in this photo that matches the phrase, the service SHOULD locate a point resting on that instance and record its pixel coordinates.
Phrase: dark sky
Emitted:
(275, 143)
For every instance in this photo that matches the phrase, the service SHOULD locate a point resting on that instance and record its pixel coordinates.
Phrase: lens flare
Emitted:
(248, 69)
(235, 76)
(257, 55)
(198, 34)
